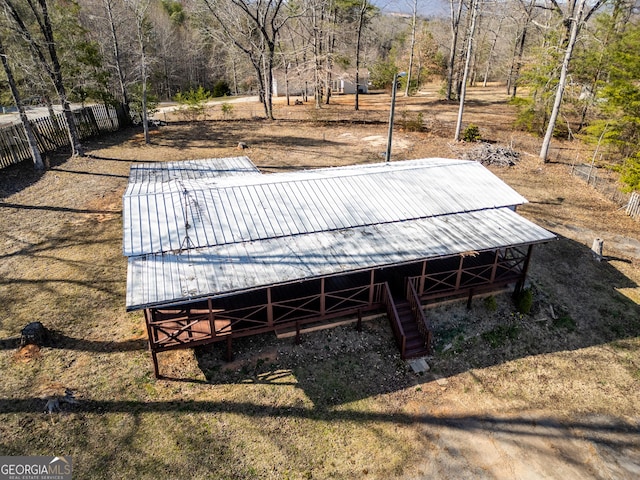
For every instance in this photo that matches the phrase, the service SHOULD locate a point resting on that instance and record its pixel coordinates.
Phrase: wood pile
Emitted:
(489, 154)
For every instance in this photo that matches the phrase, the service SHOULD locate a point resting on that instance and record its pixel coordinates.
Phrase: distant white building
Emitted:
(343, 83)
(347, 86)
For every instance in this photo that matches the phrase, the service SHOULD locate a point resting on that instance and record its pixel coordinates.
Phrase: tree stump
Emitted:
(34, 334)
(596, 248)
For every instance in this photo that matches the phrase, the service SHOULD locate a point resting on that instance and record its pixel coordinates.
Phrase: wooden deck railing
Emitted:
(418, 315)
(392, 313)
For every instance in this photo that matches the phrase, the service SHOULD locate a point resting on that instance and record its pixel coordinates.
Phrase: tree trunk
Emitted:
(31, 139)
(576, 19)
(413, 45)
(463, 89)
(56, 74)
(117, 55)
(455, 23)
(363, 10)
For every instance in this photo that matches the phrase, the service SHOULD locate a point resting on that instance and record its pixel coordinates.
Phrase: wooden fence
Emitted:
(51, 132)
(633, 207)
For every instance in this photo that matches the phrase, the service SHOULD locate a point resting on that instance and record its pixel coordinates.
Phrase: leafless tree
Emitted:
(577, 13)
(42, 45)
(31, 139)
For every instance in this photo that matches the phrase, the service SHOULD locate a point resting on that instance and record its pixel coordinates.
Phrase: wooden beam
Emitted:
(212, 322)
(322, 298)
(229, 348)
(372, 287)
(422, 278)
(269, 308)
(494, 269)
(459, 273)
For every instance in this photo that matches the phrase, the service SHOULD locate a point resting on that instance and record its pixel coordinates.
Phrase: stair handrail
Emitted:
(418, 314)
(394, 318)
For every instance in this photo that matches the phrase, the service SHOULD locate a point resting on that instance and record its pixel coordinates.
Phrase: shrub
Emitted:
(227, 109)
(630, 173)
(490, 303)
(471, 133)
(221, 89)
(566, 322)
(412, 124)
(524, 301)
(193, 101)
(499, 335)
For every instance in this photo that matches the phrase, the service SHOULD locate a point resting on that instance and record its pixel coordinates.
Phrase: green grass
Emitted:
(501, 335)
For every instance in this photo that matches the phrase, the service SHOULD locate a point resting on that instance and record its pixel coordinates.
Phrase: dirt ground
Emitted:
(551, 394)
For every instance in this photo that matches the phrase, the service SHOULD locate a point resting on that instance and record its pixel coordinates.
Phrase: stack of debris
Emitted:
(489, 154)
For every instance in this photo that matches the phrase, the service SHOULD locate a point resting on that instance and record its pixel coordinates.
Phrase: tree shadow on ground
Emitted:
(58, 340)
(577, 303)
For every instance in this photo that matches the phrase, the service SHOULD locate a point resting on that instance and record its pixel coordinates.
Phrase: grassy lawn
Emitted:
(554, 393)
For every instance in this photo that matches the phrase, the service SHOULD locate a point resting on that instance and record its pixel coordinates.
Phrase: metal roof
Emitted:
(224, 210)
(145, 178)
(190, 238)
(162, 279)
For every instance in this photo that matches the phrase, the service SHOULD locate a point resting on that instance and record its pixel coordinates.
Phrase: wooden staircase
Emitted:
(416, 345)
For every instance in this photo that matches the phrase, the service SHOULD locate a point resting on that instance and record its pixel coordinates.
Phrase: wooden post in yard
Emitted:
(596, 248)
(229, 348)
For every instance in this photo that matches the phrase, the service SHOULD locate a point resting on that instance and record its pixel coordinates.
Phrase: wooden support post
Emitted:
(422, 278)
(359, 323)
(156, 369)
(269, 308)
(494, 268)
(469, 299)
(229, 348)
(322, 298)
(371, 287)
(596, 248)
(459, 275)
(212, 323)
(525, 267)
(298, 338)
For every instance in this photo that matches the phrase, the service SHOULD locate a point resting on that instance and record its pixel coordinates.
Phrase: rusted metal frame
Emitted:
(253, 310)
(469, 271)
(160, 323)
(152, 346)
(148, 317)
(357, 291)
(512, 264)
(292, 309)
(418, 315)
(173, 335)
(195, 343)
(443, 281)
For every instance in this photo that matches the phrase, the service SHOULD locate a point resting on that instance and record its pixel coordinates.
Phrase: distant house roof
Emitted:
(191, 238)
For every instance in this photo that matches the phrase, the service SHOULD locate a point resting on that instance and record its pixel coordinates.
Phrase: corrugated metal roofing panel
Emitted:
(308, 202)
(151, 177)
(158, 279)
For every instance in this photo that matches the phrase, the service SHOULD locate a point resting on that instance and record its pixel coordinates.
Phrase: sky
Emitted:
(425, 7)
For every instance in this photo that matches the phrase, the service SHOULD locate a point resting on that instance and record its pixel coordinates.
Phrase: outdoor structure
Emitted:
(218, 250)
(344, 85)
